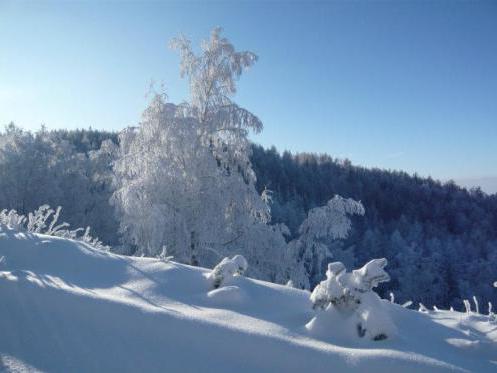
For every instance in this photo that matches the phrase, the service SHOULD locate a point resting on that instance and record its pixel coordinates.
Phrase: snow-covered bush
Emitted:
(164, 256)
(422, 308)
(477, 305)
(44, 221)
(492, 316)
(347, 305)
(226, 269)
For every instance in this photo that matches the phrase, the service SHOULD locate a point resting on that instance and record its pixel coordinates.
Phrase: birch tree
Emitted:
(184, 178)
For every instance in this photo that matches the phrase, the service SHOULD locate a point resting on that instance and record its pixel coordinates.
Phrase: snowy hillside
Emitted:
(66, 307)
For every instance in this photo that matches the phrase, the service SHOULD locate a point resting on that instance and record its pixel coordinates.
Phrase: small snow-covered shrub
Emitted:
(347, 305)
(163, 256)
(423, 308)
(477, 305)
(44, 221)
(492, 316)
(226, 269)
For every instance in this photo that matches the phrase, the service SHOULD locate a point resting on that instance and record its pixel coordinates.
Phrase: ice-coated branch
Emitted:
(37, 222)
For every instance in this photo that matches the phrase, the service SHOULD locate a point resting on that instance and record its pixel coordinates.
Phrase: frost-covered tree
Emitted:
(184, 178)
(223, 125)
(28, 169)
(322, 224)
(45, 168)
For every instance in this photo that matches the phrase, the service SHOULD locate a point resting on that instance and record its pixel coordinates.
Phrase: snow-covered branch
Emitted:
(44, 221)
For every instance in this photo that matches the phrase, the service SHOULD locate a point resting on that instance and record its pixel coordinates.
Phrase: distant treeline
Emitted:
(440, 239)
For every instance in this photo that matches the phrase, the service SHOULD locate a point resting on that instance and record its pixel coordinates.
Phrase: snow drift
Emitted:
(65, 306)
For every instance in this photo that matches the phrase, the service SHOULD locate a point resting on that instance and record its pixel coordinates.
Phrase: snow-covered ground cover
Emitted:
(67, 307)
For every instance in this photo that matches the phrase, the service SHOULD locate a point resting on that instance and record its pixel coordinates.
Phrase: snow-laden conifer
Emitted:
(226, 269)
(347, 305)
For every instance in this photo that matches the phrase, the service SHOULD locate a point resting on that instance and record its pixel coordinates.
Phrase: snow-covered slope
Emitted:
(66, 307)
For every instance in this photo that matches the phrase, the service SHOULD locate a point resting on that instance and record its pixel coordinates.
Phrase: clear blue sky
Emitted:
(408, 85)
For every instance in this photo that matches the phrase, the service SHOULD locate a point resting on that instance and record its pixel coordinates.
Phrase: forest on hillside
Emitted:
(439, 238)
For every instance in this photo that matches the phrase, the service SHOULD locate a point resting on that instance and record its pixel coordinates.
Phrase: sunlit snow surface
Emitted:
(65, 307)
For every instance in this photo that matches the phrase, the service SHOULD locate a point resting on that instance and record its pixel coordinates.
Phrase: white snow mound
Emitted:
(66, 307)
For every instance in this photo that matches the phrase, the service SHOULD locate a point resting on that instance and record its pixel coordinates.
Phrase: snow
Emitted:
(66, 307)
